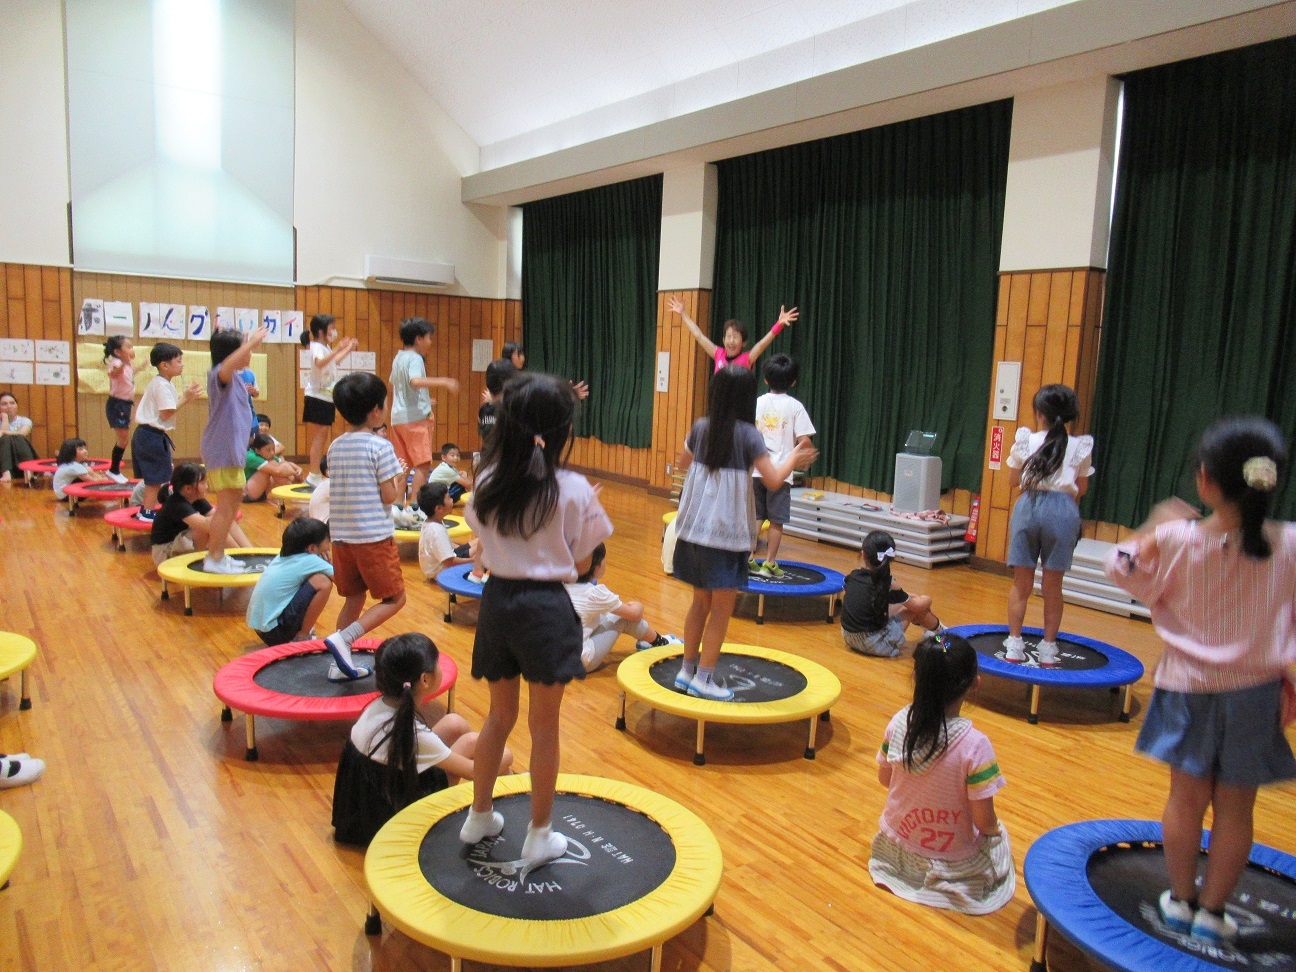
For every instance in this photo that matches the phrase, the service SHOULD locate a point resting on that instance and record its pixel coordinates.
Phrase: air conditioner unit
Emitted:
(408, 273)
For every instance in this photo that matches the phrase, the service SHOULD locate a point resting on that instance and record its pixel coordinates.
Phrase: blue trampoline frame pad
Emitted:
(1121, 671)
(1056, 873)
(454, 581)
(831, 587)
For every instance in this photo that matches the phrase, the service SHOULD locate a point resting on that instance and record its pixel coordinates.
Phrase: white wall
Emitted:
(33, 127)
(1057, 207)
(379, 164)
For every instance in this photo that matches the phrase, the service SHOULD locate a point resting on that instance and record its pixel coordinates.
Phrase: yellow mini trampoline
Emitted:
(458, 529)
(639, 869)
(187, 571)
(16, 654)
(11, 847)
(291, 493)
(769, 686)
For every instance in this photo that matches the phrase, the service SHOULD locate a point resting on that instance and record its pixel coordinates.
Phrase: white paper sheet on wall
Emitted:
(17, 349)
(362, 361)
(483, 353)
(15, 372)
(92, 317)
(54, 351)
(270, 321)
(199, 323)
(150, 320)
(225, 318)
(290, 326)
(53, 374)
(119, 318)
(303, 377)
(173, 321)
(246, 319)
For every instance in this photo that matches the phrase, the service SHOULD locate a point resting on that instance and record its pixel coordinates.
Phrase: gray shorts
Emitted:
(773, 505)
(886, 643)
(1045, 527)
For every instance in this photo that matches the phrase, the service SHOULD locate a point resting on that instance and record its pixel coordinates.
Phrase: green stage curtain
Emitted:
(888, 241)
(1201, 290)
(589, 300)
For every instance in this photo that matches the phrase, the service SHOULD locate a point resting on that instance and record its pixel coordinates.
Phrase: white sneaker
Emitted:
(1177, 915)
(1016, 650)
(1047, 654)
(314, 479)
(117, 478)
(478, 826)
(682, 681)
(475, 578)
(709, 690)
(1214, 929)
(336, 674)
(226, 565)
(542, 845)
(19, 770)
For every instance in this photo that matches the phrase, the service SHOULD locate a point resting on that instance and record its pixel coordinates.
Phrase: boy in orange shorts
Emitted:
(366, 479)
(412, 421)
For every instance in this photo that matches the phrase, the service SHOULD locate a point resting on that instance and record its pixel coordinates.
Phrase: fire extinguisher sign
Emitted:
(996, 446)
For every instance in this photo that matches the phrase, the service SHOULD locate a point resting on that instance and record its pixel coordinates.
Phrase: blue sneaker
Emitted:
(682, 681)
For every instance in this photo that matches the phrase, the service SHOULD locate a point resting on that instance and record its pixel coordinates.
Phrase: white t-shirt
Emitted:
(319, 502)
(159, 396)
(435, 548)
(577, 526)
(67, 474)
(781, 420)
(591, 602)
(1074, 464)
(373, 724)
(322, 377)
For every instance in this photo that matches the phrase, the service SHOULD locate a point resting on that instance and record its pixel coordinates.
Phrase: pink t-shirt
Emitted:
(1226, 619)
(121, 380)
(721, 359)
(929, 810)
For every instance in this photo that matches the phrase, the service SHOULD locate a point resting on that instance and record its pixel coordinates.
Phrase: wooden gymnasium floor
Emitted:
(151, 844)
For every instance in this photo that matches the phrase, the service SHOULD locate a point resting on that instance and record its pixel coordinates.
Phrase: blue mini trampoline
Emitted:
(1083, 663)
(798, 580)
(454, 581)
(1097, 884)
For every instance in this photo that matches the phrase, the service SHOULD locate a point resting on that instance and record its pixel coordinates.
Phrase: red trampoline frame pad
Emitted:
(47, 467)
(235, 685)
(124, 519)
(82, 491)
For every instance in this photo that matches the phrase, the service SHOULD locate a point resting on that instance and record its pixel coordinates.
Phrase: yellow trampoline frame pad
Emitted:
(16, 653)
(821, 692)
(291, 493)
(10, 845)
(176, 570)
(405, 898)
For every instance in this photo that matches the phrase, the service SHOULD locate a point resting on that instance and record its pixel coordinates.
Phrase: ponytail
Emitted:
(1246, 457)
(878, 549)
(1059, 406)
(944, 669)
(398, 665)
(112, 346)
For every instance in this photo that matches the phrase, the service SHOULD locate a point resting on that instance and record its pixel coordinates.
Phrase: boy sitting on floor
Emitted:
(604, 616)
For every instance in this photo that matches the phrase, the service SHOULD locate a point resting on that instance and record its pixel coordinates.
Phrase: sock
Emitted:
(688, 668)
(117, 454)
(350, 633)
(478, 826)
(704, 674)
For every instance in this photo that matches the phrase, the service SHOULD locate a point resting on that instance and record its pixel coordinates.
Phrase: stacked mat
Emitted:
(845, 520)
(1087, 585)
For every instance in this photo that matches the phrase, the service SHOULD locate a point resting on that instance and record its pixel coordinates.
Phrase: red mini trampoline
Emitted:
(98, 493)
(289, 682)
(46, 467)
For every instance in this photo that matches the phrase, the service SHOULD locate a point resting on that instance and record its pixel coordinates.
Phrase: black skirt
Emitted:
(527, 628)
(360, 807)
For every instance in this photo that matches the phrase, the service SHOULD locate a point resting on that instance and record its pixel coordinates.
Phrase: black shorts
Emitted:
(709, 568)
(151, 455)
(118, 411)
(527, 628)
(290, 621)
(316, 411)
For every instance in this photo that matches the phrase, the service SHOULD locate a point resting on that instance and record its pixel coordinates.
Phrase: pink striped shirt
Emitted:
(1228, 620)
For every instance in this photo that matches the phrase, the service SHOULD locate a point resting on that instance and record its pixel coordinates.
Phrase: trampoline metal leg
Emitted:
(25, 699)
(1129, 701)
(448, 617)
(698, 758)
(166, 594)
(227, 714)
(654, 960)
(188, 602)
(832, 603)
(620, 720)
(450, 699)
(760, 608)
(810, 746)
(249, 721)
(456, 964)
(1039, 959)
(373, 921)
(1033, 718)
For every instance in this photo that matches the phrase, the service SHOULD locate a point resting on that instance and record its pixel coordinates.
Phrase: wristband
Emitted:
(778, 327)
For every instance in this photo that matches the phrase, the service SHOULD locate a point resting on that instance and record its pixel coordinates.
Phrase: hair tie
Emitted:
(1260, 472)
(536, 467)
(405, 685)
(885, 555)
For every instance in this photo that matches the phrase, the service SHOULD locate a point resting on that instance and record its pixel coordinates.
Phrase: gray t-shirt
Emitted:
(717, 506)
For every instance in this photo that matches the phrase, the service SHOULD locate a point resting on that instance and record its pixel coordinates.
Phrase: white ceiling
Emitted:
(507, 69)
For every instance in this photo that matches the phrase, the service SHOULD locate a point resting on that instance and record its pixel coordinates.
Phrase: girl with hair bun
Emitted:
(1222, 591)
(1053, 469)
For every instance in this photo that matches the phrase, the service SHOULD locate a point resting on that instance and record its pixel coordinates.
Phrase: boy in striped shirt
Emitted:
(366, 479)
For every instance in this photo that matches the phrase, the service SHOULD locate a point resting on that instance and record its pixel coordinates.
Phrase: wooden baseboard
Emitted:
(612, 477)
(989, 566)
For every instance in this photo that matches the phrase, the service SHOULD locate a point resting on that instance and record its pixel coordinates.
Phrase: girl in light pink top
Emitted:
(1222, 592)
(733, 352)
(119, 359)
(939, 842)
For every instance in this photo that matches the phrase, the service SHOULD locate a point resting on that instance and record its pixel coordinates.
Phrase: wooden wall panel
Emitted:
(374, 317)
(36, 305)
(190, 420)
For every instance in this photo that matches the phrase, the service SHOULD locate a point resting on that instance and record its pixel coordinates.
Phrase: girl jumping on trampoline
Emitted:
(538, 525)
(716, 527)
(732, 350)
(939, 842)
(404, 746)
(875, 609)
(1222, 593)
(119, 358)
(1053, 469)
